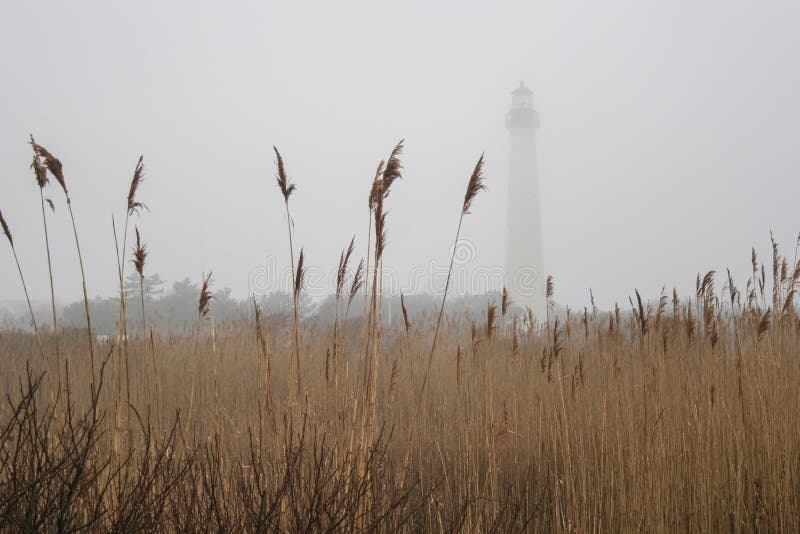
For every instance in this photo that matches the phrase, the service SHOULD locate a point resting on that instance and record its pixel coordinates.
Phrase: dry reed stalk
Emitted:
(10, 238)
(356, 284)
(366, 319)
(287, 188)
(459, 357)
(122, 358)
(55, 167)
(204, 310)
(139, 259)
(393, 378)
(365, 314)
(733, 294)
(474, 186)
(378, 194)
(266, 394)
(341, 275)
(133, 207)
(40, 173)
(585, 323)
(381, 186)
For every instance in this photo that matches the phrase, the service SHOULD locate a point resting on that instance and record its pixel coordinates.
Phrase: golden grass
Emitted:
(655, 419)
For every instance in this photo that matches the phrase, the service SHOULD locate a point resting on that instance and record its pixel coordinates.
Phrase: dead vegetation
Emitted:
(669, 415)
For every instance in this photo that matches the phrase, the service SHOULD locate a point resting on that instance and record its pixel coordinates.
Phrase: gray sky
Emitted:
(669, 138)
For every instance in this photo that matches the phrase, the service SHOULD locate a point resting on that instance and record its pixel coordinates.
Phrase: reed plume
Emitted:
(341, 272)
(40, 174)
(641, 314)
(549, 290)
(139, 254)
(776, 286)
(356, 284)
(474, 186)
(676, 304)
(394, 168)
(300, 275)
(206, 297)
(406, 322)
(56, 169)
(505, 302)
(39, 169)
(285, 185)
(52, 163)
(134, 206)
(341, 275)
(491, 314)
(763, 325)
(6, 230)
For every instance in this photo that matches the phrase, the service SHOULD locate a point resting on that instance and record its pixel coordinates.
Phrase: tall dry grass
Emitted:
(675, 414)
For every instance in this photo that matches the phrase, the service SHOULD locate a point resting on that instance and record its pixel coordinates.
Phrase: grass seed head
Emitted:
(475, 184)
(39, 170)
(286, 187)
(341, 272)
(135, 206)
(205, 297)
(405, 313)
(6, 230)
(300, 275)
(357, 282)
(394, 168)
(139, 255)
(52, 163)
(491, 313)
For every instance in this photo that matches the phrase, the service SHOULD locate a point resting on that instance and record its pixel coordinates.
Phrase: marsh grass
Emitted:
(639, 419)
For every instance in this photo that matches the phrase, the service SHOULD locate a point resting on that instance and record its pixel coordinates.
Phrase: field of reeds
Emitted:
(666, 415)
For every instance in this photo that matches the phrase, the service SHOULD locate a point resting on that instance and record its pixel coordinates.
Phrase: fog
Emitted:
(668, 142)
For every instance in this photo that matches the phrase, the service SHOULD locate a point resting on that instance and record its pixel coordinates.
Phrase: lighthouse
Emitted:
(525, 277)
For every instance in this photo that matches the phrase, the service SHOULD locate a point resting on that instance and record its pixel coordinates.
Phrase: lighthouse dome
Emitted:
(522, 97)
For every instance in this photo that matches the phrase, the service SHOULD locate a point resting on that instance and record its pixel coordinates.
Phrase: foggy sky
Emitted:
(668, 141)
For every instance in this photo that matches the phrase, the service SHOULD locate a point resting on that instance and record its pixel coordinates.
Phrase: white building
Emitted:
(524, 262)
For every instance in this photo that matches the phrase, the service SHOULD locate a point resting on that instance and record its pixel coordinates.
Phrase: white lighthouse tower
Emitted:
(524, 262)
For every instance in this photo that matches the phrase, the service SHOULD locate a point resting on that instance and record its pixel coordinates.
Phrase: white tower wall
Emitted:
(524, 260)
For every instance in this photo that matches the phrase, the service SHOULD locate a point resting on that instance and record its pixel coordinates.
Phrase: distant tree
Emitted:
(175, 308)
(153, 286)
(225, 306)
(105, 315)
(281, 303)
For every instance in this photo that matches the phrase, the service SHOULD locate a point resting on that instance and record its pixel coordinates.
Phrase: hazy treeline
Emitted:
(174, 307)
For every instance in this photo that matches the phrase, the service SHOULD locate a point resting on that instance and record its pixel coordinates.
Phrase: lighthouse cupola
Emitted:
(522, 114)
